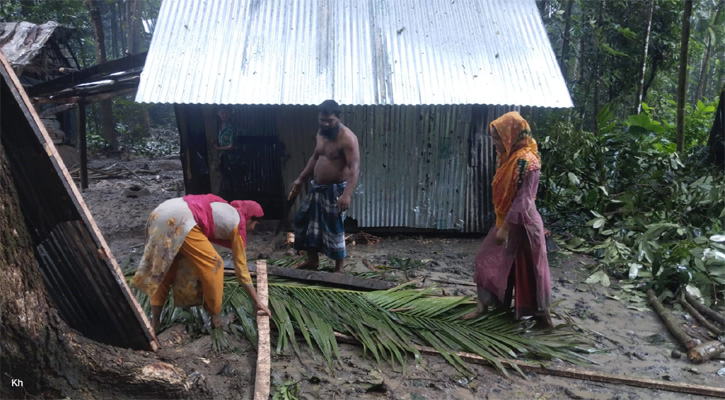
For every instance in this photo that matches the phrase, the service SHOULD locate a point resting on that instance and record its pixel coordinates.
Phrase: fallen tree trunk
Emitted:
(669, 322)
(577, 373)
(704, 352)
(704, 322)
(703, 309)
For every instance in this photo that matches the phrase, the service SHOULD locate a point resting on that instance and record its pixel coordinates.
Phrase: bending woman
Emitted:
(512, 261)
(179, 253)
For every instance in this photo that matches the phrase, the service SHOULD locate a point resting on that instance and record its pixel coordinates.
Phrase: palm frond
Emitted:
(389, 324)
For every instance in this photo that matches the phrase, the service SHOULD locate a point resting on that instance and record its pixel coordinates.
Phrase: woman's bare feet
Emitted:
(480, 309)
(471, 315)
(221, 321)
(543, 321)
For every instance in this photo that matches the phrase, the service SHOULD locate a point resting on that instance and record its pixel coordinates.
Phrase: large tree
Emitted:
(107, 124)
(37, 348)
(682, 77)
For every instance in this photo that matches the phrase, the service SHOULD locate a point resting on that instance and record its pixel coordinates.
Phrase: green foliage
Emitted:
(634, 204)
(71, 13)
(290, 390)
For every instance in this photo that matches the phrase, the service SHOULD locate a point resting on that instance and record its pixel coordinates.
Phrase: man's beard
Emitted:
(330, 133)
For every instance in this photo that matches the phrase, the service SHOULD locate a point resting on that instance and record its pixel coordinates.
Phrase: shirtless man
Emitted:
(335, 167)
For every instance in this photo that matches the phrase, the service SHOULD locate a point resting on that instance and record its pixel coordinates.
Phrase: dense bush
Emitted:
(628, 198)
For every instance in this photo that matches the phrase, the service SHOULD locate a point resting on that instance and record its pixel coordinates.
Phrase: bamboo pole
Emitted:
(262, 381)
(669, 322)
(578, 373)
(703, 309)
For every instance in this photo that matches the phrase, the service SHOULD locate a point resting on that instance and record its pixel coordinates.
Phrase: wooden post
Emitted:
(82, 142)
(262, 381)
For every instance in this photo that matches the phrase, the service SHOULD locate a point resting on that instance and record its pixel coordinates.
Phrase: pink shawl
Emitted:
(200, 206)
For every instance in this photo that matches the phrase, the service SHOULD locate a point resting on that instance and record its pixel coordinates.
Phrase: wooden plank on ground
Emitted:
(343, 280)
(264, 367)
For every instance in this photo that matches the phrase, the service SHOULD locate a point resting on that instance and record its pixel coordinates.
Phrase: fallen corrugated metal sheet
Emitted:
(25, 46)
(359, 52)
(80, 274)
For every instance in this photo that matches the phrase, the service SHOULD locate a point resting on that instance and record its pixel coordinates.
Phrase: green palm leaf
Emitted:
(389, 325)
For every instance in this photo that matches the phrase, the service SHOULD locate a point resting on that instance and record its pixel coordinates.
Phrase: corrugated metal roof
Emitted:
(359, 52)
(22, 42)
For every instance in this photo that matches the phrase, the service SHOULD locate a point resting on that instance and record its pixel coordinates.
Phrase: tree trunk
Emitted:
(639, 96)
(597, 69)
(108, 131)
(114, 29)
(701, 84)
(133, 26)
(682, 79)
(40, 356)
(133, 15)
(566, 41)
(703, 72)
(26, 8)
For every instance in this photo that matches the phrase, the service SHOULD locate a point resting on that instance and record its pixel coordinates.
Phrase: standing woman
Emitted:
(512, 261)
(179, 253)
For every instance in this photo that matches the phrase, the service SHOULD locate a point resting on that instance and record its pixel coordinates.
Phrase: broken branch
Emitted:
(704, 322)
(136, 175)
(706, 351)
(703, 309)
(669, 322)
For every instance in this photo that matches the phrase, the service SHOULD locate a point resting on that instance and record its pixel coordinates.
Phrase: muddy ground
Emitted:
(633, 341)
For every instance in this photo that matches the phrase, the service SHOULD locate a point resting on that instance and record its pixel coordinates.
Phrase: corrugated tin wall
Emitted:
(422, 167)
(414, 162)
(481, 169)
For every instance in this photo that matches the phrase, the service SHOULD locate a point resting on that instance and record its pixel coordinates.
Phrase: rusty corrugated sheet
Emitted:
(359, 52)
(23, 43)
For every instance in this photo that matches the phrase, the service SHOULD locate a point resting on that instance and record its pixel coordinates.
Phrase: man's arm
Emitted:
(309, 169)
(352, 156)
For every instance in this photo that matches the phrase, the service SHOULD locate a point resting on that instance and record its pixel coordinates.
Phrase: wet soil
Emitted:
(630, 339)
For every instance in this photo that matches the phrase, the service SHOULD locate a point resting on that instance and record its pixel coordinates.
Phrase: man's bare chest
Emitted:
(331, 151)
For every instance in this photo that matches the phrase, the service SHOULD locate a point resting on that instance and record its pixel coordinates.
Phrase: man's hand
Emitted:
(261, 310)
(502, 235)
(295, 190)
(343, 203)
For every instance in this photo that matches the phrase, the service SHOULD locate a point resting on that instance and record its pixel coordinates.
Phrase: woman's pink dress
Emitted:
(525, 251)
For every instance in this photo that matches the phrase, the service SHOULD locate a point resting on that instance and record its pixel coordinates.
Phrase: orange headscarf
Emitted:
(521, 156)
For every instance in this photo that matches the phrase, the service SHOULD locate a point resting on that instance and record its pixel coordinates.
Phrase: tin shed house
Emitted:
(418, 81)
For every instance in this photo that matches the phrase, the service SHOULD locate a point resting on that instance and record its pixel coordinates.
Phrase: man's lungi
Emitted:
(319, 224)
